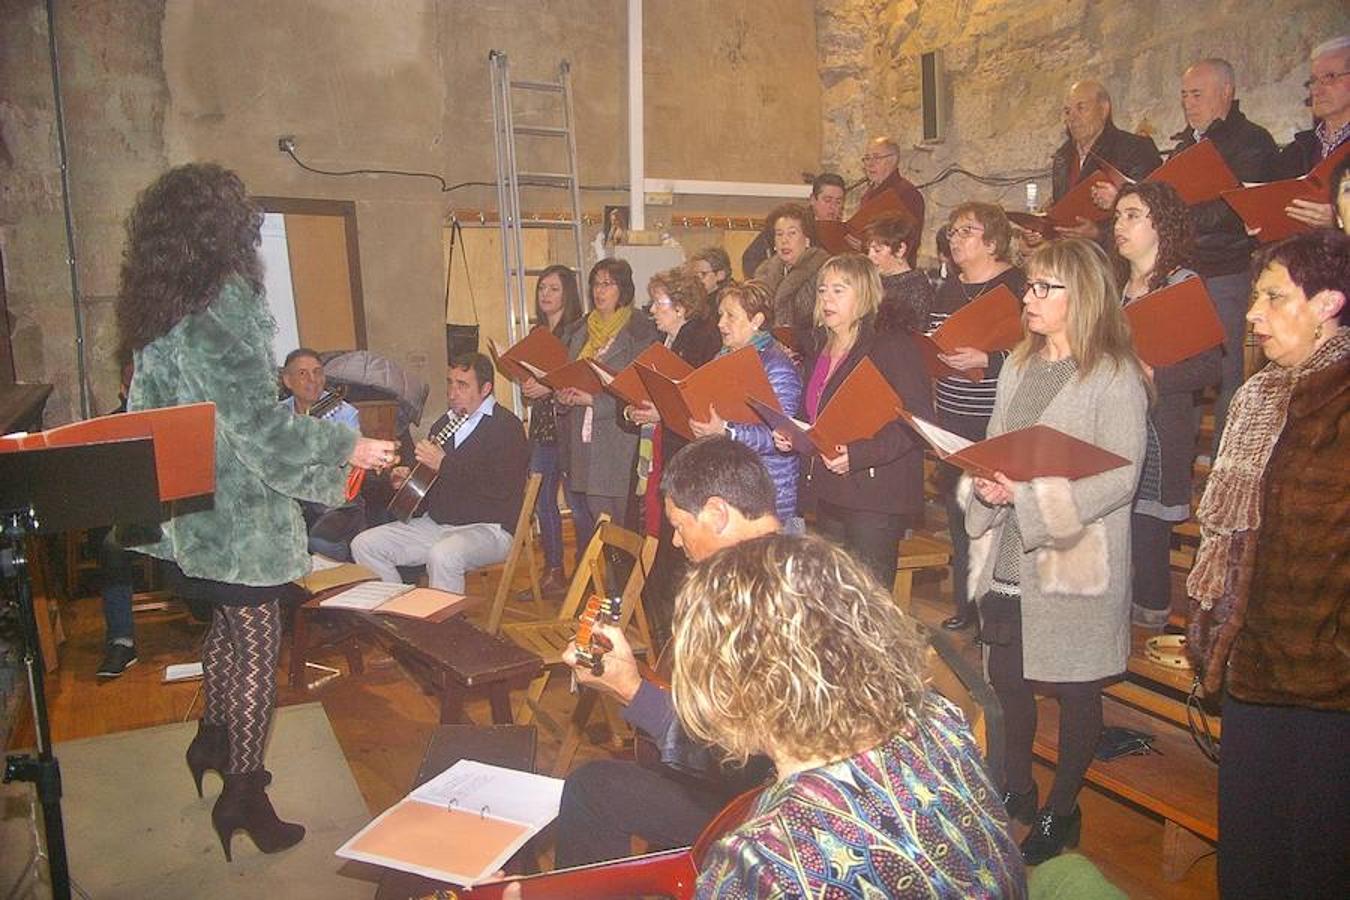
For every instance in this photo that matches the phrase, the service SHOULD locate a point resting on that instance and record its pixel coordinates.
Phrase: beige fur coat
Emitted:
(1075, 577)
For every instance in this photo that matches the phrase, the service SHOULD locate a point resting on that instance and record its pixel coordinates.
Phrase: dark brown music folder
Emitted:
(727, 383)
(577, 374)
(184, 436)
(1262, 205)
(1174, 323)
(540, 348)
(862, 406)
(627, 385)
(1075, 204)
(992, 321)
(1036, 452)
(833, 236)
(1199, 173)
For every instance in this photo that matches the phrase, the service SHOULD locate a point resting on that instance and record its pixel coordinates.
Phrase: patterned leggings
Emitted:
(239, 674)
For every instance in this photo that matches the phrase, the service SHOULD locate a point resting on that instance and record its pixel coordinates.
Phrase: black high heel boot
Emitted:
(964, 618)
(210, 749)
(1050, 835)
(1021, 807)
(244, 804)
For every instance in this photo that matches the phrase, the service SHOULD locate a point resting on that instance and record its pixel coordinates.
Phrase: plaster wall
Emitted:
(1008, 66)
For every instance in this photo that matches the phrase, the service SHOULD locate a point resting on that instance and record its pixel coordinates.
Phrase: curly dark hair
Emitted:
(1171, 219)
(190, 230)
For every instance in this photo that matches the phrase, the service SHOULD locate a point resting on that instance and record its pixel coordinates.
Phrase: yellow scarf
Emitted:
(600, 330)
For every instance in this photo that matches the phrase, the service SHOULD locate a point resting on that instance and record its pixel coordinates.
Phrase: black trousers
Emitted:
(1284, 802)
(1080, 708)
(1151, 552)
(872, 537)
(606, 802)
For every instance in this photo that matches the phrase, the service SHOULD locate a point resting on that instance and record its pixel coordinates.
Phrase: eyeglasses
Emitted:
(1326, 80)
(604, 284)
(664, 303)
(1131, 215)
(963, 231)
(1041, 289)
(876, 157)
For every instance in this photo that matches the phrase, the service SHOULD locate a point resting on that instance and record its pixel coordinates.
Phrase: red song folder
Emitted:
(541, 349)
(1036, 452)
(727, 383)
(1174, 323)
(627, 385)
(992, 321)
(1262, 205)
(1198, 173)
(862, 406)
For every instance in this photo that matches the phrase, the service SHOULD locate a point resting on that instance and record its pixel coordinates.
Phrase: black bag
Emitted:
(1117, 741)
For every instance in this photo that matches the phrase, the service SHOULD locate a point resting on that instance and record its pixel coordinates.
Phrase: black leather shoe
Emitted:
(1050, 835)
(1021, 807)
(964, 618)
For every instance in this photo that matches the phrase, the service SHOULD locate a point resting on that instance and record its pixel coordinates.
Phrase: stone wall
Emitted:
(1008, 66)
(396, 84)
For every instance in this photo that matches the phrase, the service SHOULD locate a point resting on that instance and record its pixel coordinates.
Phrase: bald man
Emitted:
(881, 165)
(1328, 87)
(1093, 138)
(1222, 249)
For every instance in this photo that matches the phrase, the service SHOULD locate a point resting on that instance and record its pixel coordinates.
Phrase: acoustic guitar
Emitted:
(673, 873)
(407, 500)
(591, 645)
(325, 407)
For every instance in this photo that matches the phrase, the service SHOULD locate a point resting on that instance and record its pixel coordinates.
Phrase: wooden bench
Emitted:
(917, 553)
(451, 659)
(1179, 783)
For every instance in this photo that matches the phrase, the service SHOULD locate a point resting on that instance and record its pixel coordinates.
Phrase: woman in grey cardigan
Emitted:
(1050, 559)
(598, 451)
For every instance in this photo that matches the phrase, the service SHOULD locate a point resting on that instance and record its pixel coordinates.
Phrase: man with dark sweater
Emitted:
(1093, 139)
(1328, 87)
(1222, 248)
(471, 509)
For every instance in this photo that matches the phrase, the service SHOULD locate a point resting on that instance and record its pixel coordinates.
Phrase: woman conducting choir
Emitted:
(557, 304)
(786, 646)
(190, 308)
(598, 450)
(980, 238)
(1152, 234)
(1271, 581)
(1050, 558)
(866, 493)
(742, 318)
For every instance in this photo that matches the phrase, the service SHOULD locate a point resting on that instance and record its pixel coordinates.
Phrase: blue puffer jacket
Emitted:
(787, 387)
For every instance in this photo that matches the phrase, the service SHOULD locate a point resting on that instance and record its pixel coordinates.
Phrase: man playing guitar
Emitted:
(471, 508)
(717, 494)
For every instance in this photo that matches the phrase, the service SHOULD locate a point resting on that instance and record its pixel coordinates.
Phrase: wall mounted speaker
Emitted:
(932, 89)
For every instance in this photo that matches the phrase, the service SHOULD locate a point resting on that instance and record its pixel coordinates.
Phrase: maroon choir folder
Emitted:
(1199, 173)
(992, 321)
(1174, 323)
(1036, 452)
(1262, 205)
(862, 406)
(727, 383)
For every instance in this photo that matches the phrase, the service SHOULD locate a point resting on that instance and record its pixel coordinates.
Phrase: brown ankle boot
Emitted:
(243, 804)
(210, 749)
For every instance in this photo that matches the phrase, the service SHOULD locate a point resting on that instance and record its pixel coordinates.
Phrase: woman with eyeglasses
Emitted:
(679, 307)
(866, 493)
(1050, 558)
(712, 265)
(1152, 234)
(980, 238)
(790, 274)
(597, 450)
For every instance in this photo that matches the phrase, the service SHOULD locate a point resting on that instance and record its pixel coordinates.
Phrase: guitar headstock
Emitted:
(592, 647)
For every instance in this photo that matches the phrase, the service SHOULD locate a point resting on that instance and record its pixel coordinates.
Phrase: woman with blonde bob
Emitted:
(786, 646)
(1050, 558)
(864, 494)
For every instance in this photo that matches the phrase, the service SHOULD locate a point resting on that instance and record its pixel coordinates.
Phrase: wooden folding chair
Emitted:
(549, 637)
(954, 677)
(522, 542)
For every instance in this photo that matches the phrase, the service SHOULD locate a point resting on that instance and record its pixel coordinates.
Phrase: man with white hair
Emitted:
(881, 165)
(1328, 87)
(1222, 247)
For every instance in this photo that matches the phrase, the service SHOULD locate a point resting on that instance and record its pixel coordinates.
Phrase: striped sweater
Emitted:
(969, 403)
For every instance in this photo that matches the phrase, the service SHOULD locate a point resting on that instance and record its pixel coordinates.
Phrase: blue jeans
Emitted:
(544, 460)
(116, 587)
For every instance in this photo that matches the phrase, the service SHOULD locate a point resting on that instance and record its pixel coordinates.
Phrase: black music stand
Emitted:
(54, 489)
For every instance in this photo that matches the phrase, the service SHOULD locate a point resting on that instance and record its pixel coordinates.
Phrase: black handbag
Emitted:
(1117, 741)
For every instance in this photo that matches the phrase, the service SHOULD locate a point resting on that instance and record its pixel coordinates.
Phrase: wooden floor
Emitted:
(382, 722)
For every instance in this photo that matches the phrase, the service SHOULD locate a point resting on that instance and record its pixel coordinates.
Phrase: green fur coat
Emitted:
(250, 532)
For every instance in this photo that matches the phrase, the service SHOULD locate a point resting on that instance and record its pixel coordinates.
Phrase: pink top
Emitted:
(815, 388)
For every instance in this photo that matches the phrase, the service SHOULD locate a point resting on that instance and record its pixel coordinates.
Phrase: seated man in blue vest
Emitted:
(470, 510)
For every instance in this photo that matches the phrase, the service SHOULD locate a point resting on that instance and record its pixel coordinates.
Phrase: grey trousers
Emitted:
(1231, 295)
(448, 551)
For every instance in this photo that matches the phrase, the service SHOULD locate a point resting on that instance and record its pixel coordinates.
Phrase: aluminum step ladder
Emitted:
(542, 138)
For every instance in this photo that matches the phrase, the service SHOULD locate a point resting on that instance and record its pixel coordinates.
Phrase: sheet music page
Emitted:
(531, 368)
(604, 376)
(366, 596)
(318, 563)
(494, 791)
(940, 438)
